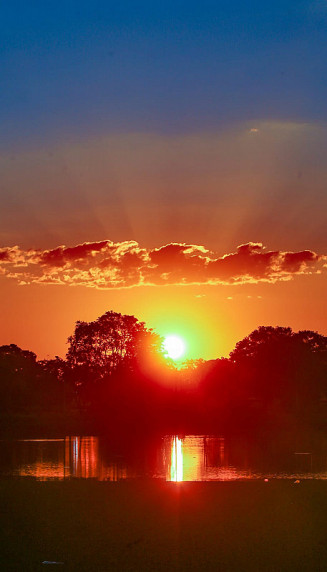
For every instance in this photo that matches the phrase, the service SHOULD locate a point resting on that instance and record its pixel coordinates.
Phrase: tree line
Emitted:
(115, 374)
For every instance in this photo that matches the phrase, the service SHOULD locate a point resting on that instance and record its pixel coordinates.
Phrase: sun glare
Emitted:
(174, 346)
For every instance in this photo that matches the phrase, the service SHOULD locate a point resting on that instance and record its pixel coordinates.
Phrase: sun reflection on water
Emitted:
(173, 458)
(195, 458)
(176, 468)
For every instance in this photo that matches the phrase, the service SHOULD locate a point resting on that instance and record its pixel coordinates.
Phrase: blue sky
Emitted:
(72, 69)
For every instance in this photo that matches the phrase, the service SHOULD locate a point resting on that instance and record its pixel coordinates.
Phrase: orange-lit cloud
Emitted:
(107, 264)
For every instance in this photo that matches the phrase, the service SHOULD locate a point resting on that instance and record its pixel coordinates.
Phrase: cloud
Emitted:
(4, 255)
(108, 265)
(61, 255)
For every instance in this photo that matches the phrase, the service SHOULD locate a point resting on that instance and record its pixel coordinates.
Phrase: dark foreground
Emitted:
(141, 526)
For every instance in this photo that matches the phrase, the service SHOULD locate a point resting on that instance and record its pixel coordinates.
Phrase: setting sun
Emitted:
(174, 346)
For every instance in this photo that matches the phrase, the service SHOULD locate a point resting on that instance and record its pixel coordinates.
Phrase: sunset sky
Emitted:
(166, 160)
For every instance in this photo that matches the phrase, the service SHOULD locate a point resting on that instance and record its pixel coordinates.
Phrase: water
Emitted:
(171, 458)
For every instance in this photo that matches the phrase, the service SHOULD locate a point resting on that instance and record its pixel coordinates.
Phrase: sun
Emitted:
(174, 346)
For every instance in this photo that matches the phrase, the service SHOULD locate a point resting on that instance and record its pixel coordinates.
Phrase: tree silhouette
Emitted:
(275, 363)
(112, 342)
(262, 342)
(17, 376)
(23, 384)
(115, 373)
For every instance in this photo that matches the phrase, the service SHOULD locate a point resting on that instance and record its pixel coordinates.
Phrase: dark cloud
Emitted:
(249, 261)
(61, 256)
(4, 254)
(107, 264)
(176, 264)
(294, 261)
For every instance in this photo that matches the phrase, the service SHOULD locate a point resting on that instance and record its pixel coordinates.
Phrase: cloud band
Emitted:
(108, 265)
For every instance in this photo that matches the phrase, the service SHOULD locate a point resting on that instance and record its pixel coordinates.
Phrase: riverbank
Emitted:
(51, 424)
(45, 424)
(159, 526)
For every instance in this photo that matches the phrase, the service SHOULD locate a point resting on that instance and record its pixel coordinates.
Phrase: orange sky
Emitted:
(124, 197)
(211, 318)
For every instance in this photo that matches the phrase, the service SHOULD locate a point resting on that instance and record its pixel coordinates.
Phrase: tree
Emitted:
(112, 342)
(277, 363)
(18, 377)
(265, 340)
(55, 377)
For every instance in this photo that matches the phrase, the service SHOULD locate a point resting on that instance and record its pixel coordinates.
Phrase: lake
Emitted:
(170, 458)
(179, 502)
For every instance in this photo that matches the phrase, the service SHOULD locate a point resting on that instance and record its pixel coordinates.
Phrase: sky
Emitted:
(165, 160)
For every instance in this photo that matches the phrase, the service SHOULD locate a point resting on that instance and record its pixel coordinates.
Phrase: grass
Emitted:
(158, 526)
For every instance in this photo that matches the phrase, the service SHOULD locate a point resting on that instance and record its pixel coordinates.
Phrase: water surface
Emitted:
(171, 458)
